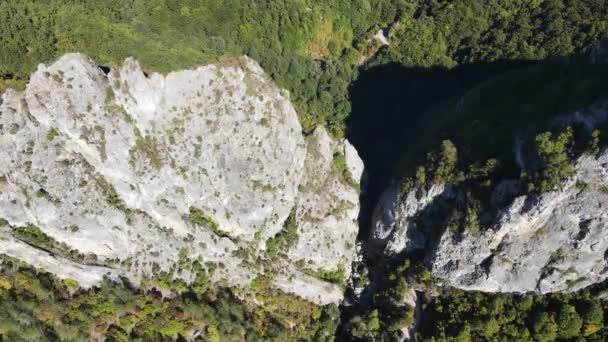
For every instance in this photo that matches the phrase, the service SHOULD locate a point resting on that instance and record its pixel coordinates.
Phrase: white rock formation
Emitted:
(555, 242)
(380, 37)
(327, 206)
(130, 169)
(394, 221)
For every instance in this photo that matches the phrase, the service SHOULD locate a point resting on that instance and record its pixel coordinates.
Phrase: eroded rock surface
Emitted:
(395, 222)
(554, 242)
(327, 200)
(126, 174)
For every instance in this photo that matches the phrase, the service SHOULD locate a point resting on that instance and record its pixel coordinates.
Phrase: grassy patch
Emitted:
(72, 228)
(71, 283)
(51, 134)
(109, 95)
(339, 165)
(33, 235)
(112, 197)
(331, 276)
(148, 146)
(582, 186)
(284, 239)
(198, 218)
(15, 84)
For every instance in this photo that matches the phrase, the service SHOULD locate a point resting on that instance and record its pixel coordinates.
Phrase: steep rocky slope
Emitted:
(552, 242)
(137, 176)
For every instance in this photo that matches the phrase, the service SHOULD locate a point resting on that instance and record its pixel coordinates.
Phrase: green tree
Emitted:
(443, 162)
(544, 327)
(554, 152)
(569, 322)
(593, 317)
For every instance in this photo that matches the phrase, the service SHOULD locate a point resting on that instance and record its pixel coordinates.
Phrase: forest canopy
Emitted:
(312, 48)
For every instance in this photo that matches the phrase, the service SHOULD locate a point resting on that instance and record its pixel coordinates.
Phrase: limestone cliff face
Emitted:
(126, 174)
(554, 242)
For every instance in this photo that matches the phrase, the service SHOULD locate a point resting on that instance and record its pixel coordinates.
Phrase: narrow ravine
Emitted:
(387, 127)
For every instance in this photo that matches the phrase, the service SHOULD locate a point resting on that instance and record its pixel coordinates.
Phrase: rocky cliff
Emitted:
(552, 242)
(128, 174)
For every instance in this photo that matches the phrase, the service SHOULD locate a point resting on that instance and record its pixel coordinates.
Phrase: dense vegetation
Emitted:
(436, 32)
(473, 316)
(36, 306)
(448, 314)
(443, 103)
(310, 47)
(381, 317)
